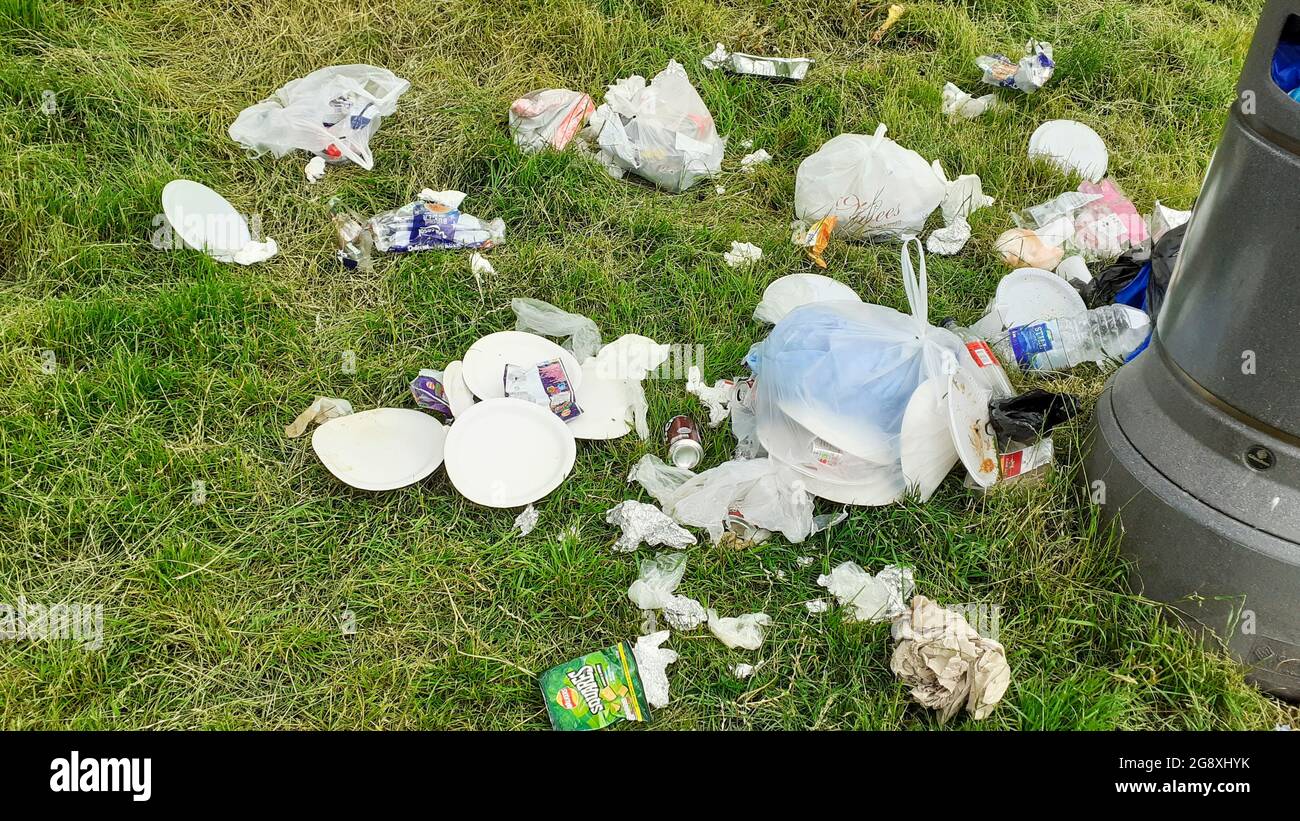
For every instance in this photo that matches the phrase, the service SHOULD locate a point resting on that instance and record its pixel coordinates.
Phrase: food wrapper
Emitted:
(595, 690)
(428, 392)
(783, 68)
(1028, 75)
(434, 222)
(815, 237)
(645, 523)
(546, 384)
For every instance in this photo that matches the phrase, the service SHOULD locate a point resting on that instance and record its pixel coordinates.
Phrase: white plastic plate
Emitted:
(927, 448)
(793, 290)
(485, 362)
(204, 220)
(1029, 295)
(606, 406)
(508, 452)
(1072, 147)
(968, 414)
(380, 449)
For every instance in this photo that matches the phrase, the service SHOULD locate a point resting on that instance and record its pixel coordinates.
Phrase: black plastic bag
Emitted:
(1027, 417)
(1163, 260)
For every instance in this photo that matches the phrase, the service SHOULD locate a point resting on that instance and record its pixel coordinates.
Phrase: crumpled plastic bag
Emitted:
(549, 118)
(1028, 75)
(322, 410)
(873, 598)
(758, 491)
(875, 188)
(544, 319)
(332, 112)
(947, 663)
(660, 479)
(1031, 415)
(957, 103)
(646, 523)
(654, 589)
(1164, 219)
(962, 197)
(631, 356)
(661, 131)
(744, 632)
(717, 397)
(652, 666)
(1109, 225)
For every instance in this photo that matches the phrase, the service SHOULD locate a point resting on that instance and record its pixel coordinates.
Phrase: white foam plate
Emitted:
(1072, 147)
(1029, 295)
(793, 290)
(606, 405)
(927, 448)
(204, 220)
(485, 362)
(968, 414)
(380, 449)
(858, 440)
(508, 452)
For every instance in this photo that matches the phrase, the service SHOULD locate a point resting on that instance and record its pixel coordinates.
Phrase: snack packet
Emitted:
(595, 690)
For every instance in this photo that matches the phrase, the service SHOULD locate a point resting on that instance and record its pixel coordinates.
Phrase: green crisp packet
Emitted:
(595, 690)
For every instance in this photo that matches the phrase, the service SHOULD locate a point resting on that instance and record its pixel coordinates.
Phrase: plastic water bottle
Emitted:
(987, 367)
(1107, 333)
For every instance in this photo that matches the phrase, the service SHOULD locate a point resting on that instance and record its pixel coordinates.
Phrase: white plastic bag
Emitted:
(331, 112)
(543, 318)
(834, 382)
(759, 491)
(874, 187)
(661, 131)
(549, 118)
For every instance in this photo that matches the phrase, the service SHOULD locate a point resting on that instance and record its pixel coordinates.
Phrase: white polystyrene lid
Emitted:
(854, 437)
(883, 491)
(508, 452)
(606, 405)
(793, 290)
(1072, 147)
(927, 450)
(1029, 295)
(380, 449)
(485, 362)
(204, 220)
(968, 415)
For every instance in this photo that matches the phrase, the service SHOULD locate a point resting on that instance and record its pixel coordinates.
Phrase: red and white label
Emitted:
(981, 353)
(1027, 459)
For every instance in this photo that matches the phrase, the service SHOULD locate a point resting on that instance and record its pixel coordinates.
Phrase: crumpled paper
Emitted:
(742, 253)
(950, 239)
(947, 663)
(817, 606)
(957, 103)
(744, 632)
(254, 252)
(744, 670)
(1029, 75)
(646, 523)
(873, 598)
(717, 398)
(526, 521)
(322, 410)
(962, 196)
(750, 161)
(315, 169)
(654, 589)
(480, 267)
(652, 666)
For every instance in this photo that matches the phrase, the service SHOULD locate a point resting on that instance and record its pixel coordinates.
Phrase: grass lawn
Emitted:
(172, 369)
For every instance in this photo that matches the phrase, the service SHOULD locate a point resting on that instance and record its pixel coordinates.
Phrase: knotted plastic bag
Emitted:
(331, 112)
(834, 382)
(874, 187)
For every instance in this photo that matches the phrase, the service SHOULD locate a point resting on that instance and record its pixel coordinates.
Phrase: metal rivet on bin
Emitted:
(1259, 457)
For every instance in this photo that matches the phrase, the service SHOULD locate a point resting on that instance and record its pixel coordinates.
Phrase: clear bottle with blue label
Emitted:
(1111, 332)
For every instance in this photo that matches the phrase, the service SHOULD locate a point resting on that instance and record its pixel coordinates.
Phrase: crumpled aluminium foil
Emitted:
(642, 522)
(785, 68)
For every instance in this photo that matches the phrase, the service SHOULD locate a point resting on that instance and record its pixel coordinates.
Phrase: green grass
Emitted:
(173, 368)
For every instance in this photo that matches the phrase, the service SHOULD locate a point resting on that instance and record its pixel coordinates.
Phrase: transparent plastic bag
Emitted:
(332, 113)
(874, 187)
(549, 118)
(834, 381)
(544, 319)
(759, 491)
(661, 131)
